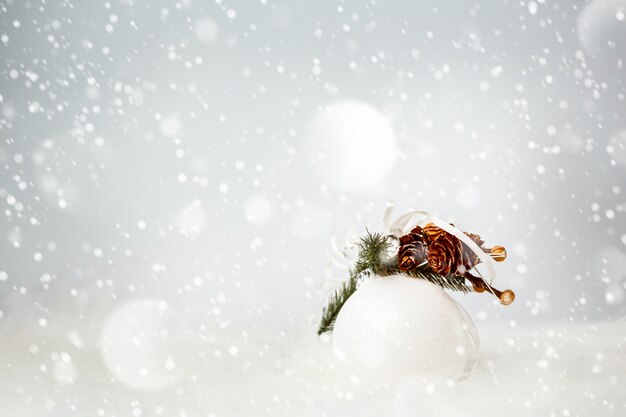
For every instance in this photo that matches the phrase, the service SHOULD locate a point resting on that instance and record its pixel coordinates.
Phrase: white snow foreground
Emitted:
(552, 370)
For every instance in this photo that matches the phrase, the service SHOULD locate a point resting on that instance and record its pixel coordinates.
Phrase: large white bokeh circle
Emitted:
(137, 343)
(400, 327)
(206, 30)
(352, 145)
(602, 28)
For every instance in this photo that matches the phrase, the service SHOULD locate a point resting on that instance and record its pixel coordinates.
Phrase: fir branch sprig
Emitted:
(371, 248)
(336, 301)
(371, 259)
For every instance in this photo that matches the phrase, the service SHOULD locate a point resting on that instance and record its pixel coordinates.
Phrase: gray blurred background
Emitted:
(203, 153)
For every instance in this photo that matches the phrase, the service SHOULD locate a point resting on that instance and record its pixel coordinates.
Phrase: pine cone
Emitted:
(413, 249)
(433, 231)
(476, 238)
(447, 255)
(470, 259)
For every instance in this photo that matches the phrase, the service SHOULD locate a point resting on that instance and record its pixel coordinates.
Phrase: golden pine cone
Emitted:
(445, 255)
(461, 253)
(413, 249)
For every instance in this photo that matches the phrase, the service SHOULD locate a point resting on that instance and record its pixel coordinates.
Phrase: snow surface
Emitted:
(552, 370)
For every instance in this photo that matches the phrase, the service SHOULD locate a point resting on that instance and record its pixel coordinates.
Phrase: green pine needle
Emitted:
(371, 248)
(337, 300)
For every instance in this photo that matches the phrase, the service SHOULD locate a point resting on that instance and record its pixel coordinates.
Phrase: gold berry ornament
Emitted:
(446, 255)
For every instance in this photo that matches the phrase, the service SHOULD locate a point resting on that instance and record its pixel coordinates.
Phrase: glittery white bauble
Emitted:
(399, 326)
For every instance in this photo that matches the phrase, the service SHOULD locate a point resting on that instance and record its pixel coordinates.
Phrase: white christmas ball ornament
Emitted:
(399, 326)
